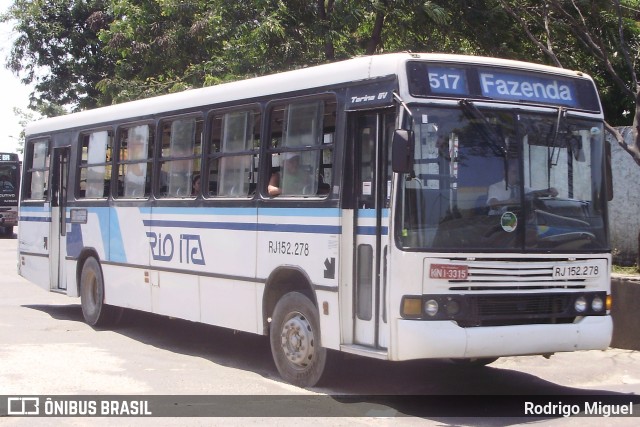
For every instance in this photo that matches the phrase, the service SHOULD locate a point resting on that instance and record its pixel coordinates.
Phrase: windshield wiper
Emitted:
(562, 115)
(496, 141)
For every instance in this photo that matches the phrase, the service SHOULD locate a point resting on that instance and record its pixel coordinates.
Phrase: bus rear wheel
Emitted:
(94, 310)
(295, 340)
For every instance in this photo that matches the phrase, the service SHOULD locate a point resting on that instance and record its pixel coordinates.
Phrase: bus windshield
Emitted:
(503, 180)
(9, 179)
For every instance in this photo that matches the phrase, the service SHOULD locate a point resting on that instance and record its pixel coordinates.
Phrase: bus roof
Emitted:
(351, 70)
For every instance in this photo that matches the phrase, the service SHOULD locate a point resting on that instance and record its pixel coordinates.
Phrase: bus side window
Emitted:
(135, 152)
(38, 171)
(181, 146)
(301, 150)
(233, 154)
(95, 168)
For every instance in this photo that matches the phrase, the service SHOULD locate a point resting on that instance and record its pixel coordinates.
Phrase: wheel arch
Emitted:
(281, 281)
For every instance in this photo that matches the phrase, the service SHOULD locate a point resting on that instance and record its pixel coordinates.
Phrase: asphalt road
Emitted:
(47, 349)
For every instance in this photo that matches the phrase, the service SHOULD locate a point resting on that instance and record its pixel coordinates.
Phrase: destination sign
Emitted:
(428, 79)
(448, 80)
(527, 87)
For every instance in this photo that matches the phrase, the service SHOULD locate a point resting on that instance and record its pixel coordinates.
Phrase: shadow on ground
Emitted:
(357, 386)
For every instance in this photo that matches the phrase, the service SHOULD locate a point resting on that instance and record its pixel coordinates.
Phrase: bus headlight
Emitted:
(431, 307)
(580, 305)
(597, 304)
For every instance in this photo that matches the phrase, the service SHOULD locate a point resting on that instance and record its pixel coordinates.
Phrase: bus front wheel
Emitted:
(295, 340)
(95, 311)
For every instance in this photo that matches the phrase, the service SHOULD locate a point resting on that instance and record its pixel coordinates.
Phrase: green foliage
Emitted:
(58, 50)
(627, 271)
(97, 52)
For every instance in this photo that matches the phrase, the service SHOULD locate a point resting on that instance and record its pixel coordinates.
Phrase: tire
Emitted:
(295, 340)
(474, 363)
(95, 312)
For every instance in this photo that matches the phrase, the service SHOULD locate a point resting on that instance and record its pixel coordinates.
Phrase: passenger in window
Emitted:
(195, 187)
(292, 177)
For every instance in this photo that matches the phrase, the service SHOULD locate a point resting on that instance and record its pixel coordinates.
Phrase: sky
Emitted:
(12, 92)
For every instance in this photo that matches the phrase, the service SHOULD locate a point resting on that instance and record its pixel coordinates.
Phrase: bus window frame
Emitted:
(117, 162)
(267, 150)
(80, 165)
(210, 158)
(159, 160)
(29, 170)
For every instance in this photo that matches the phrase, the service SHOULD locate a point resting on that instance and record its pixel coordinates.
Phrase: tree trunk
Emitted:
(324, 12)
(376, 34)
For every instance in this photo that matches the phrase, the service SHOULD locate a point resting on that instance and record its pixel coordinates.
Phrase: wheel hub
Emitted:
(298, 340)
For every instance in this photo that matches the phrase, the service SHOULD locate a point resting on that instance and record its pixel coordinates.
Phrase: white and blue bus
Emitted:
(402, 206)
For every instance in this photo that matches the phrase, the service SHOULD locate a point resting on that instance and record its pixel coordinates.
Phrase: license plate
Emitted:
(448, 271)
(576, 271)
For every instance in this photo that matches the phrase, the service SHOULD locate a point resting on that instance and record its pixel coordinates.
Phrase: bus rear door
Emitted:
(58, 230)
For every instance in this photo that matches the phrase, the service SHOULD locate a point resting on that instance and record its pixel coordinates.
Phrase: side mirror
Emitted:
(402, 151)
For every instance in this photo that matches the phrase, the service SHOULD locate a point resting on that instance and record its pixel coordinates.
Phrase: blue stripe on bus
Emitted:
(40, 209)
(303, 212)
(199, 224)
(238, 226)
(35, 218)
(198, 211)
(371, 213)
(34, 210)
(285, 212)
(371, 230)
(301, 228)
(75, 242)
(116, 245)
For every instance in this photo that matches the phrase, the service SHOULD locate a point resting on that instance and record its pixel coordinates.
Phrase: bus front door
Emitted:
(58, 230)
(371, 131)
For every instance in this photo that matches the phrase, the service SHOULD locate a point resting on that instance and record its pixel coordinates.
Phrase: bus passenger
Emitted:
(292, 175)
(195, 188)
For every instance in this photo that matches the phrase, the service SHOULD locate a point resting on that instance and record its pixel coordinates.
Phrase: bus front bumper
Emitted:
(445, 339)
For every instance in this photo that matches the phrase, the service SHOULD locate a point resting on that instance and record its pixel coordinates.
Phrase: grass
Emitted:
(626, 270)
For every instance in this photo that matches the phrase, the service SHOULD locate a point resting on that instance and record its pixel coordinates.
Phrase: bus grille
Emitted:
(512, 274)
(509, 305)
(504, 310)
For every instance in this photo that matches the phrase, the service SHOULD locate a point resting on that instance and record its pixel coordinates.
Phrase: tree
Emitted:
(58, 49)
(609, 36)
